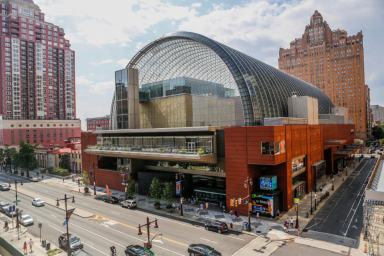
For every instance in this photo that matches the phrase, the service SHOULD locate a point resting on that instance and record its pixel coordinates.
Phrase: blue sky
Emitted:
(106, 34)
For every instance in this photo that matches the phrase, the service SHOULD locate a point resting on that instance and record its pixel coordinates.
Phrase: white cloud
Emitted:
(99, 22)
(92, 87)
(120, 63)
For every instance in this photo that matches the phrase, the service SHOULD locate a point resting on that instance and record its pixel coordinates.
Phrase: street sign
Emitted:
(296, 200)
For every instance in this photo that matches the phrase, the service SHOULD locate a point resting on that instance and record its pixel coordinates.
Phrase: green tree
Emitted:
(65, 162)
(378, 132)
(155, 189)
(131, 189)
(10, 157)
(168, 192)
(26, 158)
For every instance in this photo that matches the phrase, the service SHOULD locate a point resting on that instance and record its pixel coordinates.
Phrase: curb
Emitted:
(53, 205)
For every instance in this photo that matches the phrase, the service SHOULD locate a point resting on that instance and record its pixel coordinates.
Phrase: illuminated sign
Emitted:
(268, 182)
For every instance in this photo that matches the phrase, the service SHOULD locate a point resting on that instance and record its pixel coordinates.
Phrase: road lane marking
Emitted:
(88, 245)
(207, 240)
(125, 234)
(112, 242)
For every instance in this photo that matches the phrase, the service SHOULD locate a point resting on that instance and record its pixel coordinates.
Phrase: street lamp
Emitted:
(40, 226)
(179, 179)
(311, 202)
(315, 201)
(147, 245)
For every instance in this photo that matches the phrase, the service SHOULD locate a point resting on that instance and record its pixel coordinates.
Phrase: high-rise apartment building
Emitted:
(334, 62)
(37, 70)
(377, 114)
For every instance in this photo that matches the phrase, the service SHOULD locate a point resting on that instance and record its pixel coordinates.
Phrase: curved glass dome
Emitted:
(258, 89)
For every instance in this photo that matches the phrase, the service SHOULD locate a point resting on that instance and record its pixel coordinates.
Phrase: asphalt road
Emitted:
(113, 225)
(343, 213)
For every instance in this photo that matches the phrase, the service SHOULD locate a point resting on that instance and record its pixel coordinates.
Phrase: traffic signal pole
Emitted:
(65, 199)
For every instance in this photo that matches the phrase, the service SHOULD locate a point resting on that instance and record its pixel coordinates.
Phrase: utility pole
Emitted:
(18, 223)
(148, 245)
(68, 214)
(16, 190)
(248, 184)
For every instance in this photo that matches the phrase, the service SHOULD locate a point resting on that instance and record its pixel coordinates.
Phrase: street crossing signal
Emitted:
(231, 202)
(239, 200)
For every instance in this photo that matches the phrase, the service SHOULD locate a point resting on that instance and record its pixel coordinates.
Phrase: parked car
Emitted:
(4, 187)
(74, 242)
(111, 200)
(202, 250)
(137, 250)
(101, 197)
(26, 220)
(38, 202)
(217, 226)
(130, 204)
(3, 205)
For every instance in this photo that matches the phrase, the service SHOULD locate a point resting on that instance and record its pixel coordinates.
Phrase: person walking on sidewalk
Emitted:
(30, 245)
(25, 248)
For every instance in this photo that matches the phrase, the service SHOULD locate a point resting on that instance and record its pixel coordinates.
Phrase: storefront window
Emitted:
(273, 148)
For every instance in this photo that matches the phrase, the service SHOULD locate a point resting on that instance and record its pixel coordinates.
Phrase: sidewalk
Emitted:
(274, 239)
(9, 239)
(322, 197)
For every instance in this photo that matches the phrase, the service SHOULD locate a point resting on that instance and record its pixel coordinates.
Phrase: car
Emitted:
(129, 204)
(26, 220)
(217, 226)
(10, 210)
(4, 187)
(74, 242)
(38, 202)
(101, 197)
(3, 205)
(137, 250)
(202, 250)
(35, 179)
(111, 200)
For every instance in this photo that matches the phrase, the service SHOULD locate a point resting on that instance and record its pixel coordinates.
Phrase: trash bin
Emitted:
(48, 246)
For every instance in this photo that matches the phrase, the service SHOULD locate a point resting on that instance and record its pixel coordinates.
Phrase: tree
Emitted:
(377, 132)
(26, 158)
(155, 189)
(131, 189)
(168, 192)
(10, 157)
(65, 162)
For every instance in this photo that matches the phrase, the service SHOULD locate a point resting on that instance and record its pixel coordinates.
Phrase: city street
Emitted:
(342, 215)
(113, 225)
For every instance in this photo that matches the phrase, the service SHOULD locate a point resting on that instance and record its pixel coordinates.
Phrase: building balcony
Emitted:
(167, 154)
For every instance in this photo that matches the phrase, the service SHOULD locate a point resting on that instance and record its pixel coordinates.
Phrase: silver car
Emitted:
(4, 187)
(26, 220)
(38, 202)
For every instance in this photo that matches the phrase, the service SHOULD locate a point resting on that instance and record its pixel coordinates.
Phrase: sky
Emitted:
(106, 34)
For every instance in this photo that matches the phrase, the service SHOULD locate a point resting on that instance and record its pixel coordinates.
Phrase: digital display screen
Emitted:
(268, 182)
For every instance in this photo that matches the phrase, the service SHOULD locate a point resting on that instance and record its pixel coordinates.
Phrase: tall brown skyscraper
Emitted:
(334, 62)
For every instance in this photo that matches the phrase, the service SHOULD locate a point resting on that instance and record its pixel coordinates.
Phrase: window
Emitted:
(272, 148)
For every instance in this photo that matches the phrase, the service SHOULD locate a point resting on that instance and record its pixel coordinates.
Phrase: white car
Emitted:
(26, 220)
(38, 202)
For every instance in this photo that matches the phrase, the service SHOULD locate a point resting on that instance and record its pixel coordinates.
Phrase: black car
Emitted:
(202, 250)
(217, 226)
(111, 200)
(137, 250)
(101, 197)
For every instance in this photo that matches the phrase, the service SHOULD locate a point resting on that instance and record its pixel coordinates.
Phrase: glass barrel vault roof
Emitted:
(263, 89)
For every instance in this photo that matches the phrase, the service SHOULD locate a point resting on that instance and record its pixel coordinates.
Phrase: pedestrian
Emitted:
(25, 248)
(63, 180)
(206, 205)
(30, 245)
(290, 222)
(236, 214)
